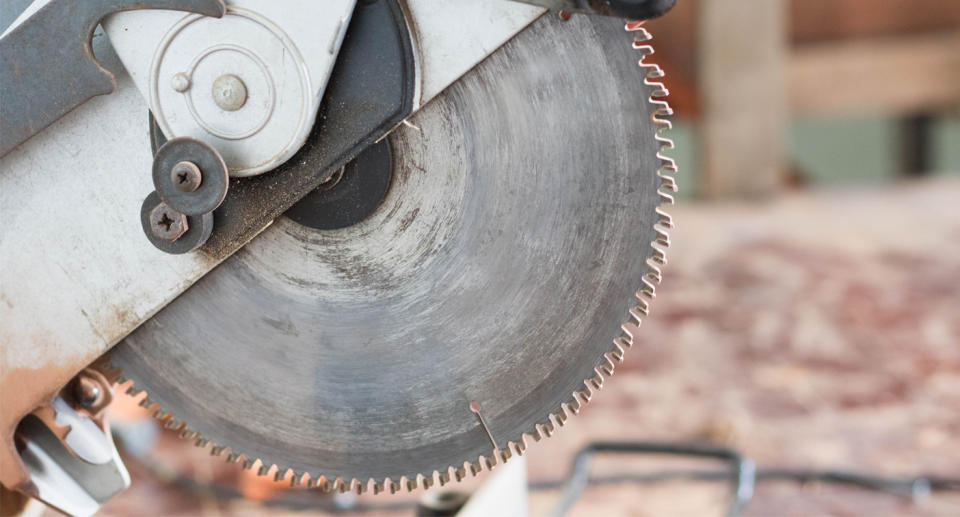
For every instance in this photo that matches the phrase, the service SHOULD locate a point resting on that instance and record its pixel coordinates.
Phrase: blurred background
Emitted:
(810, 315)
(822, 93)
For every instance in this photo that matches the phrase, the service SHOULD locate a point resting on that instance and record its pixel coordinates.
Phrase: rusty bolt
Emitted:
(166, 223)
(186, 176)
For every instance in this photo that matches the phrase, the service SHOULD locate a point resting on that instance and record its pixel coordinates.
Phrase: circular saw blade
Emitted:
(498, 270)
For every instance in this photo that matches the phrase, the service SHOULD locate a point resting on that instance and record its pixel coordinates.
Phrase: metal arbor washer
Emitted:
(479, 305)
(173, 170)
(351, 195)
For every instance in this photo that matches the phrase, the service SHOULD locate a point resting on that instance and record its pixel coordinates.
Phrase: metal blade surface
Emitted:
(498, 270)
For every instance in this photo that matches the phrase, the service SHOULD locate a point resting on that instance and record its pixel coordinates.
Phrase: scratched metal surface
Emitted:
(498, 269)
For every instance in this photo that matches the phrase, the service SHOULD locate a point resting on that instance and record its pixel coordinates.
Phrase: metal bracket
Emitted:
(75, 473)
(47, 66)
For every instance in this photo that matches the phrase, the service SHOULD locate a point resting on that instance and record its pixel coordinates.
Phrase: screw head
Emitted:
(229, 92)
(167, 224)
(186, 176)
(180, 82)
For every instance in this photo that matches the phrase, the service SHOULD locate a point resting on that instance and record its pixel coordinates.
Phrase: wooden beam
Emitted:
(902, 74)
(742, 48)
(814, 21)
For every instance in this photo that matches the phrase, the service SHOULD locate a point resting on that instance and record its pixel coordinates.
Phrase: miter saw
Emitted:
(367, 245)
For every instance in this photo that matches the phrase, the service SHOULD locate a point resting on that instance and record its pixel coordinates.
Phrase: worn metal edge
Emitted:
(555, 418)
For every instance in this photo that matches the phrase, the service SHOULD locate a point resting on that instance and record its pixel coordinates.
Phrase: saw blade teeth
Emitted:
(611, 360)
(189, 434)
(665, 218)
(643, 50)
(619, 353)
(641, 33)
(665, 143)
(427, 482)
(548, 428)
(655, 72)
(596, 382)
(559, 418)
(653, 278)
(625, 341)
(355, 486)
(663, 238)
(542, 432)
(443, 478)
(475, 469)
(581, 397)
(665, 197)
(657, 92)
(665, 221)
(296, 479)
(657, 260)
